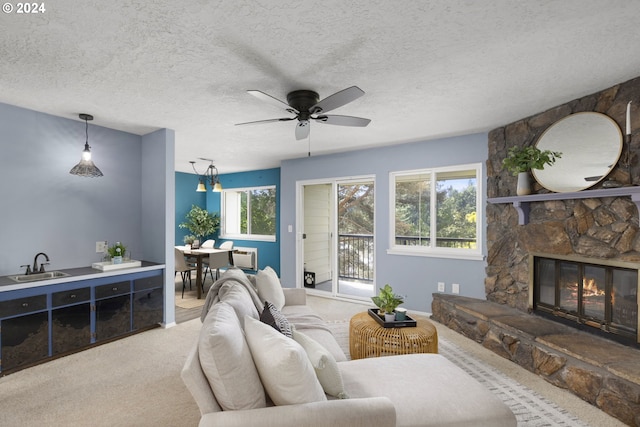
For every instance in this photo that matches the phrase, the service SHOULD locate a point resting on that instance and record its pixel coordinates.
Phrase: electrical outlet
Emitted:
(101, 247)
(455, 288)
(440, 286)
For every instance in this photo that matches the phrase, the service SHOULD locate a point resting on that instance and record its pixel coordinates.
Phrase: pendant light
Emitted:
(86, 167)
(208, 177)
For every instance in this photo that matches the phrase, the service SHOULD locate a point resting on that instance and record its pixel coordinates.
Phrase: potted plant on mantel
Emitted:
(520, 161)
(387, 302)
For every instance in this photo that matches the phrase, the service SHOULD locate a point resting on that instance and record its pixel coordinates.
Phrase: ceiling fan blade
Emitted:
(343, 120)
(302, 129)
(336, 100)
(284, 119)
(273, 101)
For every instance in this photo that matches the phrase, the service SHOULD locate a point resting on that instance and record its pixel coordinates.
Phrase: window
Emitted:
(249, 213)
(436, 212)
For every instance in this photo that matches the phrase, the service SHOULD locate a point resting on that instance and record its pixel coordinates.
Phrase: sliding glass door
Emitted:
(337, 242)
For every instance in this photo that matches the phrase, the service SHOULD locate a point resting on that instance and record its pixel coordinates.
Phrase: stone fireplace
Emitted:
(595, 295)
(587, 246)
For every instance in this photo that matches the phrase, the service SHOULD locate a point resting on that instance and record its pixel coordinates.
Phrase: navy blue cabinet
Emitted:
(45, 321)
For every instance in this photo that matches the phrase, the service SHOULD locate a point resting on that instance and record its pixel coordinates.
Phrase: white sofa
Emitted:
(244, 365)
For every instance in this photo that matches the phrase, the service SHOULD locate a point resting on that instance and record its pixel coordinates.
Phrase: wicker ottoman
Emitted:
(367, 338)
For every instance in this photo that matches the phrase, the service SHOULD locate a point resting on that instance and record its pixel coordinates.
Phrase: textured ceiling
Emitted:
(430, 69)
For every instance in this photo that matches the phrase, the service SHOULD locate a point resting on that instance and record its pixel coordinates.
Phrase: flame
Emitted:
(590, 288)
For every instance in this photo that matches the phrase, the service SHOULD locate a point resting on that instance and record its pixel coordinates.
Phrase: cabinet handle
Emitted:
(25, 304)
(72, 296)
(114, 289)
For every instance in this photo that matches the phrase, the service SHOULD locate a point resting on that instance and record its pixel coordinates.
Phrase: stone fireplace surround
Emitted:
(599, 227)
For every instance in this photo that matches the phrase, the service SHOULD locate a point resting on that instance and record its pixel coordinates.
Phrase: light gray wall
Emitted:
(414, 276)
(44, 208)
(158, 208)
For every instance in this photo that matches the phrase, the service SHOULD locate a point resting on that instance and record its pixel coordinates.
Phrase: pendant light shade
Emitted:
(86, 167)
(210, 177)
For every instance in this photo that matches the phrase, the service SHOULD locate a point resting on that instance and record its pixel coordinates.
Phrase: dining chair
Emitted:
(220, 260)
(208, 244)
(183, 268)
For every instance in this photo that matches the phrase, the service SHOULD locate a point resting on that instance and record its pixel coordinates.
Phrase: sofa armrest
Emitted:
(365, 412)
(295, 296)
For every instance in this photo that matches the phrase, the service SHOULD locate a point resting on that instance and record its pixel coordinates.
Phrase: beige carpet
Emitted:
(136, 381)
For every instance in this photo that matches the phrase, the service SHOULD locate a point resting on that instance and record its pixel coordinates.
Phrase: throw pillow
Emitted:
(272, 317)
(324, 364)
(269, 287)
(283, 365)
(226, 361)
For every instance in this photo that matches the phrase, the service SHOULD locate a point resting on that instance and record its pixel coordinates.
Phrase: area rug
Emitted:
(530, 408)
(189, 302)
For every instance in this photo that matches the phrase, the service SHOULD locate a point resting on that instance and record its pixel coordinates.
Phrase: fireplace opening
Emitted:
(594, 295)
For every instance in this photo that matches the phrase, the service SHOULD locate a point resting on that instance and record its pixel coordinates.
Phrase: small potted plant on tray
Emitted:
(387, 301)
(520, 160)
(116, 252)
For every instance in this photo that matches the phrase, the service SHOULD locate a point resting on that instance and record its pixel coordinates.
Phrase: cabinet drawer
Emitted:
(23, 305)
(112, 289)
(148, 283)
(71, 297)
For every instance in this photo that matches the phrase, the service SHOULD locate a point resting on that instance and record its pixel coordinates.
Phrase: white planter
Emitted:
(524, 184)
(389, 317)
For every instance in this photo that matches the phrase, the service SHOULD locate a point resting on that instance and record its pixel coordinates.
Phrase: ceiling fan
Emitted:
(306, 106)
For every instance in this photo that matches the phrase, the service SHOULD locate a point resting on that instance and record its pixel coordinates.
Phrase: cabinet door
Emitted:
(113, 317)
(147, 308)
(71, 328)
(24, 340)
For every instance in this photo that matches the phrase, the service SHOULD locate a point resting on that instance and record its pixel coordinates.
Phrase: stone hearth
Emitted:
(601, 372)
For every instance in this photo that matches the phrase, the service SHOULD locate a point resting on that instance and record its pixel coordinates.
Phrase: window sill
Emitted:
(437, 254)
(255, 238)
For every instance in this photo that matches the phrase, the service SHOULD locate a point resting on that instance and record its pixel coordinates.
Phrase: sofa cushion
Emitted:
(274, 318)
(324, 364)
(426, 389)
(237, 296)
(284, 367)
(226, 361)
(269, 287)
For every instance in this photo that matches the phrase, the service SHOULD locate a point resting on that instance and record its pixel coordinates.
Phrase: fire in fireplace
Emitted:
(599, 294)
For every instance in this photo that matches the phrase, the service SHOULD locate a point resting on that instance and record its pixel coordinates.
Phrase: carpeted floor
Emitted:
(136, 381)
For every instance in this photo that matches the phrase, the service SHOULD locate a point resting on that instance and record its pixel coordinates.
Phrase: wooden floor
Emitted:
(185, 314)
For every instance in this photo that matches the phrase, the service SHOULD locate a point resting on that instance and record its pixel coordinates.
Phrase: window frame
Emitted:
(432, 250)
(240, 236)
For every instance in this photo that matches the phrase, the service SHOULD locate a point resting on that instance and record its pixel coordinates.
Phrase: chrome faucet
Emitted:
(35, 263)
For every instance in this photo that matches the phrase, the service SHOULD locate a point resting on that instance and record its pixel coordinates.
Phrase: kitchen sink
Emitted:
(22, 278)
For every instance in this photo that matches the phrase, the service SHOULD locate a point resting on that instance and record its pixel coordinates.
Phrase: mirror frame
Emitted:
(568, 165)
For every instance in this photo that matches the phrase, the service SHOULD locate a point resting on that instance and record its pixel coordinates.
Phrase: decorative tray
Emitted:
(108, 266)
(408, 322)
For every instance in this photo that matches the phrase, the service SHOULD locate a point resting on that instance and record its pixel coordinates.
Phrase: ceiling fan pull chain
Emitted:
(309, 145)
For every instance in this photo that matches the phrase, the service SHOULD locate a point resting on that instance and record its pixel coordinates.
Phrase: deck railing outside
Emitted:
(355, 252)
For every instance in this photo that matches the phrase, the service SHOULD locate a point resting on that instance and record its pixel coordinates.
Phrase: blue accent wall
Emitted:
(186, 196)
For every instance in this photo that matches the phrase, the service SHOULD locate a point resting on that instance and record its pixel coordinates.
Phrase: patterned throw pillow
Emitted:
(273, 317)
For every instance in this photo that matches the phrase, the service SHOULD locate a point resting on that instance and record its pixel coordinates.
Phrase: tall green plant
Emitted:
(200, 222)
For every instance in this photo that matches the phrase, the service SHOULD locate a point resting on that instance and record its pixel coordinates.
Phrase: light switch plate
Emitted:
(101, 247)
(455, 288)
(440, 286)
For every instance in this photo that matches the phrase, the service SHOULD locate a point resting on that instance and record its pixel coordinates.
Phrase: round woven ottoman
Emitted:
(367, 338)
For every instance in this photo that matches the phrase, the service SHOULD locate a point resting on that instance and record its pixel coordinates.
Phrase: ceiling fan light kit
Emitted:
(306, 106)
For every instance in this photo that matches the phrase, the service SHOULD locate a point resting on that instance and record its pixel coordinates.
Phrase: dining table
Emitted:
(199, 255)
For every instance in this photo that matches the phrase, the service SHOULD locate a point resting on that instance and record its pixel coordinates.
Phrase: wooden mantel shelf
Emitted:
(521, 203)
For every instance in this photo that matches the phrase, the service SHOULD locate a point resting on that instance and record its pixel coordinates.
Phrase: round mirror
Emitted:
(590, 144)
